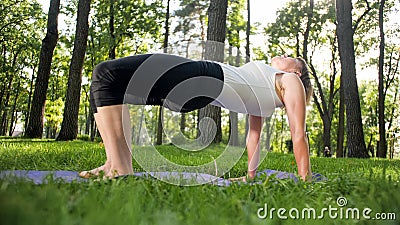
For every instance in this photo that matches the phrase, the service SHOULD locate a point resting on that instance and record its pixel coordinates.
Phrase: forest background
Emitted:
(120, 28)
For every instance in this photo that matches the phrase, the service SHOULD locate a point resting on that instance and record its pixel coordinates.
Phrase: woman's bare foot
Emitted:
(234, 179)
(106, 171)
(96, 172)
(114, 172)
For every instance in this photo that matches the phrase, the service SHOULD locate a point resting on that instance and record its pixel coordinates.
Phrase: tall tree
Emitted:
(124, 28)
(35, 123)
(192, 14)
(310, 14)
(20, 44)
(248, 29)
(341, 120)
(214, 50)
(345, 32)
(111, 51)
(236, 23)
(69, 126)
(382, 146)
(392, 84)
(160, 109)
(8, 92)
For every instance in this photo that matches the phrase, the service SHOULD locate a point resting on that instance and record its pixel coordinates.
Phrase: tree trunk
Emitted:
(326, 106)
(345, 32)
(93, 127)
(326, 136)
(111, 52)
(233, 116)
(182, 123)
(382, 148)
(29, 98)
(310, 13)
(214, 50)
(159, 130)
(269, 128)
(69, 126)
(248, 29)
(139, 132)
(233, 129)
(35, 124)
(89, 118)
(14, 118)
(159, 140)
(166, 35)
(340, 134)
(3, 120)
(3, 88)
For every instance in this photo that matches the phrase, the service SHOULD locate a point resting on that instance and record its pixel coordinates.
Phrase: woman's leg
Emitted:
(114, 127)
(104, 168)
(106, 97)
(109, 87)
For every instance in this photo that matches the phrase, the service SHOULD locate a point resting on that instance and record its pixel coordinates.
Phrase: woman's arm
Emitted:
(295, 104)
(252, 144)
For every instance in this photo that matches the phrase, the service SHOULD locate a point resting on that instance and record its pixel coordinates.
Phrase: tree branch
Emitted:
(9, 6)
(318, 104)
(362, 16)
(320, 91)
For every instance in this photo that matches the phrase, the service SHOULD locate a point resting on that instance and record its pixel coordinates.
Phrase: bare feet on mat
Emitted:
(242, 179)
(106, 171)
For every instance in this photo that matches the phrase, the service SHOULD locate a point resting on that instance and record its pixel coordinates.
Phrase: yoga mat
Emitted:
(42, 177)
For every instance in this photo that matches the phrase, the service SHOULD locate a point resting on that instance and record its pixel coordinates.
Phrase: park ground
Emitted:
(354, 187)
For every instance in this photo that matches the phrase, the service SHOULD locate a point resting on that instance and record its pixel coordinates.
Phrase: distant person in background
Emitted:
(327, 152)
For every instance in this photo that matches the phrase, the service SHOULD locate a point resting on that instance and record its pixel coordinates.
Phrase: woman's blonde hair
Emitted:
(305, 79)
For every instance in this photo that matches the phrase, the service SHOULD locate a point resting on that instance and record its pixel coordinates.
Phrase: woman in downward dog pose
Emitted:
(184, 85)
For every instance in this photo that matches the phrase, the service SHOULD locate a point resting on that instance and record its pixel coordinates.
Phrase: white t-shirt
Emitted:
(249, 89)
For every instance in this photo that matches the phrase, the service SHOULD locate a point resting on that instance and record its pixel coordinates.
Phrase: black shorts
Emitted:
(177, 83)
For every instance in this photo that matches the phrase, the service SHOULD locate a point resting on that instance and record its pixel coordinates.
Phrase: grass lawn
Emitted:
(370, 187)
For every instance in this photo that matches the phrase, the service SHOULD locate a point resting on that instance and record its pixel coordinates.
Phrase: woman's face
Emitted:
(285, 63)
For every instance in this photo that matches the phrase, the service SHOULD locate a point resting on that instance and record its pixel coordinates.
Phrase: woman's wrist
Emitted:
(251, 174)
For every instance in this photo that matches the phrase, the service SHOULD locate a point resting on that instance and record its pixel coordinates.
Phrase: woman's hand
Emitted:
(242, 179)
